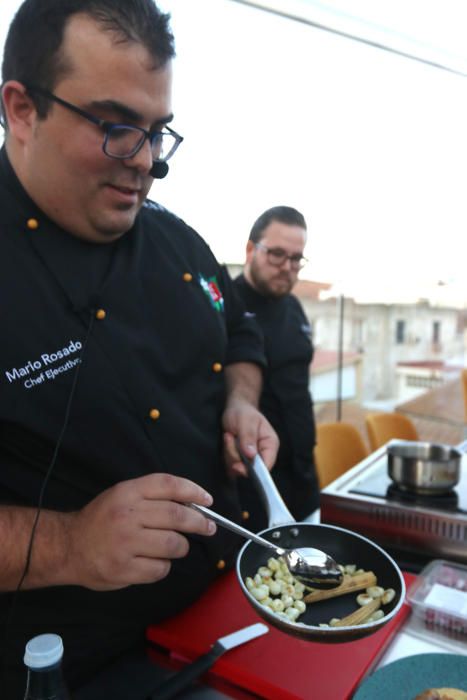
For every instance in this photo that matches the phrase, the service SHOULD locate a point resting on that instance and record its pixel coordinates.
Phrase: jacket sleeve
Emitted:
(245, 336)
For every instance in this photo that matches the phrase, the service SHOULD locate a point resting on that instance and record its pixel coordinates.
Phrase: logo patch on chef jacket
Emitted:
(212, 291)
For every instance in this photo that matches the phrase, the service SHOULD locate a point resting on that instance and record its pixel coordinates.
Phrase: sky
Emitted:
(370, 146)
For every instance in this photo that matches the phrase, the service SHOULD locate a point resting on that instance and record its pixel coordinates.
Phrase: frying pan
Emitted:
(344, 546)
(424, 467)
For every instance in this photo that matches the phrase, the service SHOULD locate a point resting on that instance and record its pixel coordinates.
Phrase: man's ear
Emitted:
(18, 109)
(250, 249)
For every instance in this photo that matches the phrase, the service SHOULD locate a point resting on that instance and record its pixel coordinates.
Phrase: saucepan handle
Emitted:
(278, 513)
(462, 446)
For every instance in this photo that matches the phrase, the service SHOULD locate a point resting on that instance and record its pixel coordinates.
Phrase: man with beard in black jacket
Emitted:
(274, 256)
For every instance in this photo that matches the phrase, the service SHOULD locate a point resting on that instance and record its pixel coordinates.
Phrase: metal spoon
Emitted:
(308, 565)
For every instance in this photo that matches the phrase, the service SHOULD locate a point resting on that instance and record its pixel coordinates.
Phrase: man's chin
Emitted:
(274, 293)
(117, 225)
(280, 288)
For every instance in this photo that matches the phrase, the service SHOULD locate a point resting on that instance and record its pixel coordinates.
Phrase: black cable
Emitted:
(48, 474)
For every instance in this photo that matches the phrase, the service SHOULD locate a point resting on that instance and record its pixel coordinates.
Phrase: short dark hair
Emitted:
(285, 215)
(33, 45)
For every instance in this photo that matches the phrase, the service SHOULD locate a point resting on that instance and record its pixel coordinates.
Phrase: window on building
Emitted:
(436, 332)
(357, 332)
(400, 332)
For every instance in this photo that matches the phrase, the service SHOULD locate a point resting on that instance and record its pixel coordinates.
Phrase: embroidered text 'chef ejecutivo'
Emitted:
(45, 367)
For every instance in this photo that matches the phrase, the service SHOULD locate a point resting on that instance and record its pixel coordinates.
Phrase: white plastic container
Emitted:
(439, 599)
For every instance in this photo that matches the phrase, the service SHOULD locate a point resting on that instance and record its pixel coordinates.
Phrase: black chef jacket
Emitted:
(285, 401)
(163, 320)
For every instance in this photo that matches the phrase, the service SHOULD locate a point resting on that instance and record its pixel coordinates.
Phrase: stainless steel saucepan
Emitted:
(425, 467)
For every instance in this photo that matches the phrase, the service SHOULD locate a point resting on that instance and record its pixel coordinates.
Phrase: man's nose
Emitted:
(143, 160)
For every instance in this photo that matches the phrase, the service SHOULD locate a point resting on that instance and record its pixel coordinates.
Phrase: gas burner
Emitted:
(448, 500)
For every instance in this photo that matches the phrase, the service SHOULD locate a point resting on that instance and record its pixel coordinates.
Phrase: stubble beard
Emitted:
(264, 286)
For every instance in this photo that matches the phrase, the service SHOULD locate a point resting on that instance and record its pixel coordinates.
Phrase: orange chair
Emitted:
(382, 427)
(464, 386)
(339, 446)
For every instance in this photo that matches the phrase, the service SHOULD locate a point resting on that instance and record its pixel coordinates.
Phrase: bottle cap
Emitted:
(44, 650)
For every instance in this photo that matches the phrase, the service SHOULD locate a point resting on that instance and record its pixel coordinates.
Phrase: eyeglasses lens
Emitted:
(278, 257)
(124, 142)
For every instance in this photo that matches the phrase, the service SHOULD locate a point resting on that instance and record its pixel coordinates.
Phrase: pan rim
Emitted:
(396, 448)
(335, 631)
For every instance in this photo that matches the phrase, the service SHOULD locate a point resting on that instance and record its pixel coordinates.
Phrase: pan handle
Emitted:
(278, 513)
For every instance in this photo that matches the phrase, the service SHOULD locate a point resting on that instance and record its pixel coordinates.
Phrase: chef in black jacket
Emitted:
(274, 256)
(128, 366)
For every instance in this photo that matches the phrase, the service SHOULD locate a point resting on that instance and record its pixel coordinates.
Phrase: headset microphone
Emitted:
(159, 170)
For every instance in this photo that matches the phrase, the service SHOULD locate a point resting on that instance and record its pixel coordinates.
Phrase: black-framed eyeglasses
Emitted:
(278, 256)
(122, 140)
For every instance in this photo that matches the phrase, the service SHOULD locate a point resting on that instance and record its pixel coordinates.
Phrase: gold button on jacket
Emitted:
(32, 224)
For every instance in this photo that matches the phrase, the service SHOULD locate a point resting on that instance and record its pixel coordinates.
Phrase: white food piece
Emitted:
(275, 587)
(364, 599)
(377, 615)
(273, 564)
(267, 602)
(278, 605)
(299, 587)
(300, 605)
(292, 613)
(287, 600)
(283, 616)
(260, 592)
(289, 589)
(388, 595)
(375, 591)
